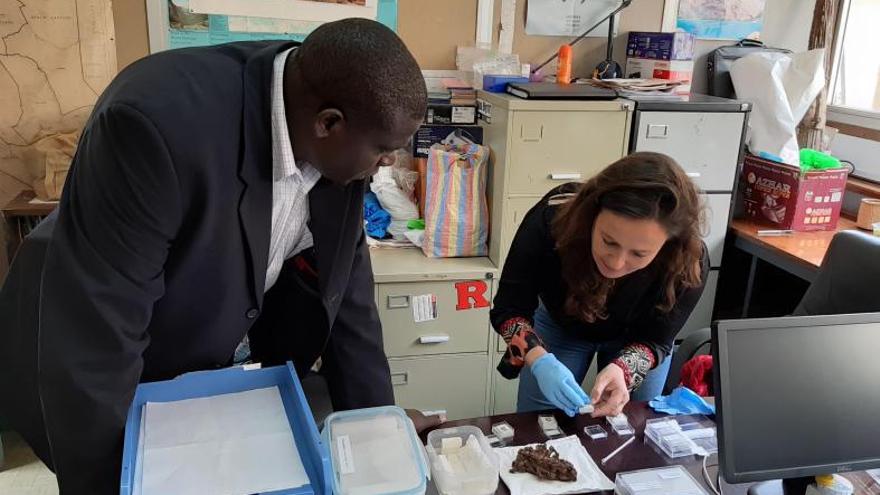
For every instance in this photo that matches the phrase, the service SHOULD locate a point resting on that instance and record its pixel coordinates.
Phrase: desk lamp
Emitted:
(606, 68)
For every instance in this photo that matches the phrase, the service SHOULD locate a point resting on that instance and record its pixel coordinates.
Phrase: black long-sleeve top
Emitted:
(533, 270)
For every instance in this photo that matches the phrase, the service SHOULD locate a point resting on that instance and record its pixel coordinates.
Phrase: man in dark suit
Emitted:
(216, 193)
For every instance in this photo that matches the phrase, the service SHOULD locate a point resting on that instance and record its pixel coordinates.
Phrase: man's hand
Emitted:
(609, 393)
(422, 422)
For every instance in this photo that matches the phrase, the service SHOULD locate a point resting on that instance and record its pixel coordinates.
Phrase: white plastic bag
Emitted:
(781, 88)
(392, 198)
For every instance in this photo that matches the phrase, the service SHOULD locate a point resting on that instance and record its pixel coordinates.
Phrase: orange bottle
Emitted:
(563, 66)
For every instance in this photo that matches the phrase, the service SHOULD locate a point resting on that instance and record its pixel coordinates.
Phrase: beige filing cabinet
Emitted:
(441, 364)
(539, 144)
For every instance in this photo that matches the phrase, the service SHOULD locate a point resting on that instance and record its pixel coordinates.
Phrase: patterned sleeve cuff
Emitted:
(510, 327)
(520, 338)
(636, 360)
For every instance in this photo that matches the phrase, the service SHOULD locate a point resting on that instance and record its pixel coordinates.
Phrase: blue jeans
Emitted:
(577, 355)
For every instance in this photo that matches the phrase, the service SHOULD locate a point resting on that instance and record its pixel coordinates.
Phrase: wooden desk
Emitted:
(800, 253)
(21, 216)
(639, 455)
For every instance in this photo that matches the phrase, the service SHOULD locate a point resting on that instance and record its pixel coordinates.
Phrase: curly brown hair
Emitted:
(642, 185)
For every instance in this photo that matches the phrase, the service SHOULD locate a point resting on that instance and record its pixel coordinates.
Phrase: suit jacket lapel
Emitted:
(255, 172)
(328, 206)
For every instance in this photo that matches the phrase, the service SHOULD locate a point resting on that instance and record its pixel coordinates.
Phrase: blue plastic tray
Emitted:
(316, 458)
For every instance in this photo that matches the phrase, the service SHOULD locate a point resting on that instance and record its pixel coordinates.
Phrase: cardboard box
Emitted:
(429, 135)
(785, 197)
(660, 46)
(671, 70)
(445, 113)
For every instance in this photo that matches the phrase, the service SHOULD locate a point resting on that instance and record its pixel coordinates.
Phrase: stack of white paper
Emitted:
(229, 444)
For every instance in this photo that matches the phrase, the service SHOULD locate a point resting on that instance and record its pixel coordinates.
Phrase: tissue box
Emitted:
(784, 197)
(672, 70)
(660, 46)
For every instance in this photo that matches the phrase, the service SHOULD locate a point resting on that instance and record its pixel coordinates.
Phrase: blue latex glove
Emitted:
(682, 400)
(377, 218)
(558, 385)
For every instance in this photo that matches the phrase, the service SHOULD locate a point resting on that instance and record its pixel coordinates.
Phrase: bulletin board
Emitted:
(188, 23)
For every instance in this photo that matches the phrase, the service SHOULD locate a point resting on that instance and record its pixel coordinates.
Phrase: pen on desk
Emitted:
(618, 449)
(762, 233)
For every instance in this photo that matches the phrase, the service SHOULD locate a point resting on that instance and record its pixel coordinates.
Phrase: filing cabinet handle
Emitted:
(433, 339)
(560, 176)
(694, 175)
(400, 378)
(398, 302)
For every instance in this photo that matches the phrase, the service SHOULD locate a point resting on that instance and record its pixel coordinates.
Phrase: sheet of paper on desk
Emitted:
(589, 478)
(238, 443)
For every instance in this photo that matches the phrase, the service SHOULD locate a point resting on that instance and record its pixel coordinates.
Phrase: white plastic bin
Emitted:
(469, 469)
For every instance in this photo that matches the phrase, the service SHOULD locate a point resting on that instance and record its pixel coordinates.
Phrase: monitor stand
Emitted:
(788, 486)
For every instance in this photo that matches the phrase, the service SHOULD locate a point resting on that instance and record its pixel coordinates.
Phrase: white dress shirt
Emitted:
(291, 183)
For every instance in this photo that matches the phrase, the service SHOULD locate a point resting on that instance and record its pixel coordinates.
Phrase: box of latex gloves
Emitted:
(668, 56)
(182, 436)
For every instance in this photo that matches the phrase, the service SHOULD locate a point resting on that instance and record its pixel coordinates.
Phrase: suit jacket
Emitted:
(155, 262)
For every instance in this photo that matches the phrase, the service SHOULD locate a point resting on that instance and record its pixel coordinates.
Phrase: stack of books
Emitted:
(451, 101)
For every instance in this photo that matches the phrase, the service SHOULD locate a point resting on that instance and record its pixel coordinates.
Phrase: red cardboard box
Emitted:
(785, 197)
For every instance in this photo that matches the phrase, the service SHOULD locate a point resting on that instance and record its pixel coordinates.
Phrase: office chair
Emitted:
(692, 345)
(848, 280)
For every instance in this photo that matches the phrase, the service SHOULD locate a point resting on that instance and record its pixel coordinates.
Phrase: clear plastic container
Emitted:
(682, 436)
(620, 424)
(375, 451)
(596, 432)
(657, 481)
(462, 462)
(503, 431)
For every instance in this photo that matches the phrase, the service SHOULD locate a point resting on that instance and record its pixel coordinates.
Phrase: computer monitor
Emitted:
(797, 397)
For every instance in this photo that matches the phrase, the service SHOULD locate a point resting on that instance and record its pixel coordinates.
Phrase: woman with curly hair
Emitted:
(611, 268)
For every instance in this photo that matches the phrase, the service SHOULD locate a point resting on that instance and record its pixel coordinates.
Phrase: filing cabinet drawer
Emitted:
(515, 210)
(551, 148)
(453, 331)
(706, 145)
(701, 317)
(716, 219)
(504, 391)
(455, 384)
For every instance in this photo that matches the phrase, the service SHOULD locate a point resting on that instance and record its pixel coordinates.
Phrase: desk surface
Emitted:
(21, 206)
(806, 249)
(411, 265)
(639, 455)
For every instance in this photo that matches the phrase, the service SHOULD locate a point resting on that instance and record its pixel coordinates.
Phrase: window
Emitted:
(856, 79)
